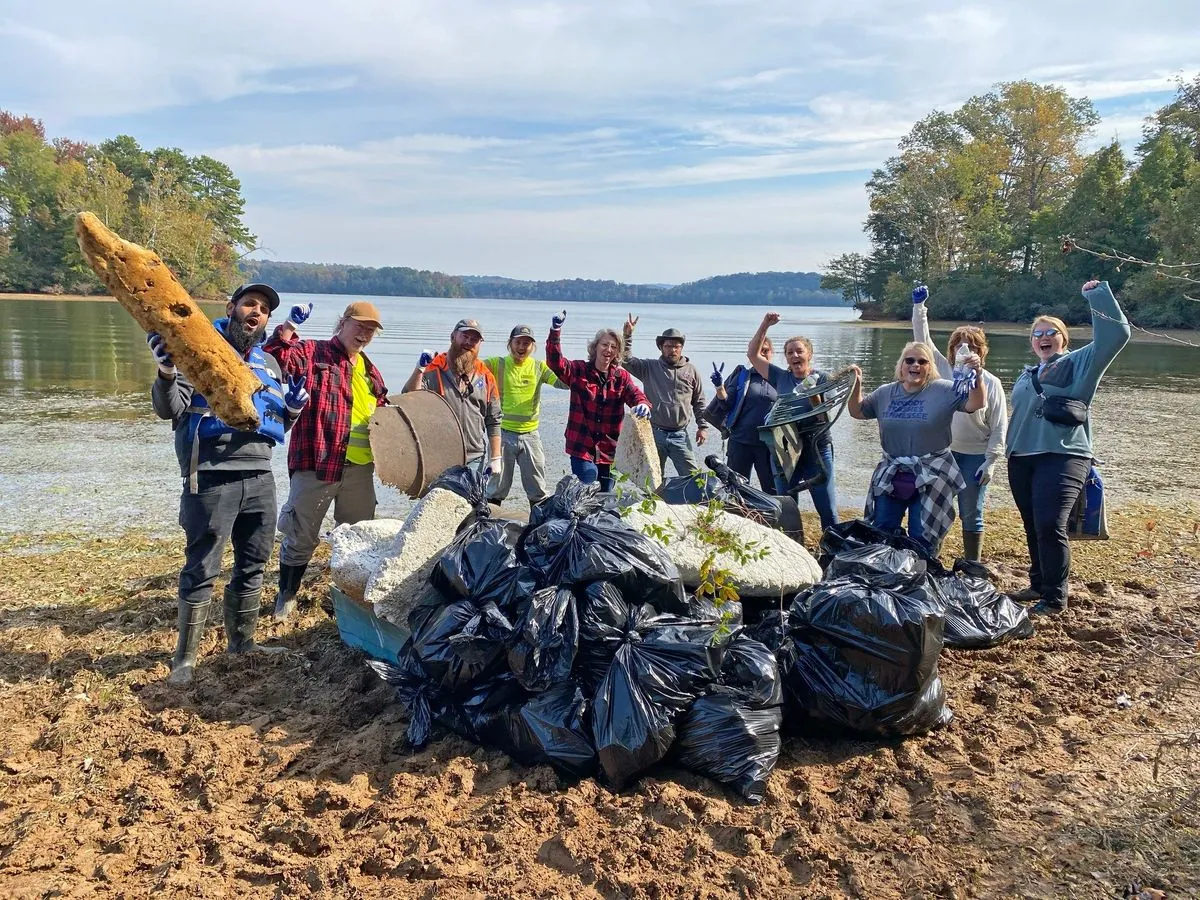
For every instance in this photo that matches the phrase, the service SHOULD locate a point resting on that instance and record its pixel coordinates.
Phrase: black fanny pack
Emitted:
(1058, 409)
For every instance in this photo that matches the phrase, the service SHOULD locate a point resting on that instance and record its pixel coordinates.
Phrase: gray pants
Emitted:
(226, 507)
(524, 450)
(675, 446)
(353, 499)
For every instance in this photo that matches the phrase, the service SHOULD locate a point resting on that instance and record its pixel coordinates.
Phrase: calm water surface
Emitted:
(81, 450)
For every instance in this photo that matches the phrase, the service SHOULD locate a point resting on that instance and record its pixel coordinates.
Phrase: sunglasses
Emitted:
(1044, 332)
(913, 361)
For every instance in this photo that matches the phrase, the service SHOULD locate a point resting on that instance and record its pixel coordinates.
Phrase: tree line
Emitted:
(188, 209)
(745, 288)
(978, 202)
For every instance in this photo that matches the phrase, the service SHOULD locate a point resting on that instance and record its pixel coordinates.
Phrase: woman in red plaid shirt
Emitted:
(600, 391)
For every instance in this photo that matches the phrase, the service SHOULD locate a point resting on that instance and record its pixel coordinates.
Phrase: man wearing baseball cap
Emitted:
(329, 457)
(676, 392)
(520, 378)
(470, 389)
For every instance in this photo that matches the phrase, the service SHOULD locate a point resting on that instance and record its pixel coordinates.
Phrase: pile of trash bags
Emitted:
(735, 493)
(571, 641)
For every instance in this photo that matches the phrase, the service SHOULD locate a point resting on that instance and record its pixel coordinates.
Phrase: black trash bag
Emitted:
(545, 639)
(874, 560)
(473, 713)
(750, 672)
(977, 615)
(730, 742)
(572, 499)
(416, 693)
(855, 534)
(604, 620)
(459, 644)
(656, 673)
(726, 486)
(703, 609)
(602, 547)
(550, 728)
(468, 484)
(864, 657)
(481, 563)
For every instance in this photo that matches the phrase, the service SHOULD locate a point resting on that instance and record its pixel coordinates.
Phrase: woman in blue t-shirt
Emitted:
(798, 351)
(740, 406)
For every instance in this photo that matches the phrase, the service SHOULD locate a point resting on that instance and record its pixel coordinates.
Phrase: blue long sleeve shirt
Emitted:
(1076, 374)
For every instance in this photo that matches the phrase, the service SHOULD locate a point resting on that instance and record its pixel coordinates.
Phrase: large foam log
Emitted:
(150, 293)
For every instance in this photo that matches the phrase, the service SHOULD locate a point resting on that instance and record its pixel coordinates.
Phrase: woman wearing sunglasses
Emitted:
(917, 473)
(977, 438)
(1050, 443)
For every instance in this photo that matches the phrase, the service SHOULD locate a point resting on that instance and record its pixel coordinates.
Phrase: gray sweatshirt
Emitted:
(675, 391)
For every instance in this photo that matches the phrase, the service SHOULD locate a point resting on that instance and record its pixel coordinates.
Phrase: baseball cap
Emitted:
(468, 325)
(363, 311)
(265, 289)
(521, 331)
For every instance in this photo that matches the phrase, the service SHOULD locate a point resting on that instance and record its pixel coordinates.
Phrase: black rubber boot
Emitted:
(289, 583)
(193, 617)
(973, 545)
(241, 619)
(1029, 595)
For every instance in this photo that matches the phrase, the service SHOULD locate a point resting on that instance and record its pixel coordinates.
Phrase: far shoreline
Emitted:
(1012, 329)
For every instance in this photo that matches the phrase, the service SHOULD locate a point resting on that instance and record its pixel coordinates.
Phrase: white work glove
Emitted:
(166, 366)
(642, 411)
(983, 474)
(299, 314)
(495, 468)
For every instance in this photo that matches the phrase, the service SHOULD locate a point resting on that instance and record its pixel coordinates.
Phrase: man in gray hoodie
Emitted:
(676, 394)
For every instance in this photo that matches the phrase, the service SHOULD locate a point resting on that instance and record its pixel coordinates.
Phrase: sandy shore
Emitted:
(1069, 768)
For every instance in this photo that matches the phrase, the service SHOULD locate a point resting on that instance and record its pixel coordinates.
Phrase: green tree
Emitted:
(848, 273)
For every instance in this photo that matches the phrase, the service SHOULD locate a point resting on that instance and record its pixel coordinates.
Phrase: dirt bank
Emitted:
(1064, 773)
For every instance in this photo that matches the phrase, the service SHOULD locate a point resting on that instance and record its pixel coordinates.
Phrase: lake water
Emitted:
(81, 450)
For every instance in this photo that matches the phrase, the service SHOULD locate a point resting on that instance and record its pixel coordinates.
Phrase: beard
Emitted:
(241, 337)
(464, 361)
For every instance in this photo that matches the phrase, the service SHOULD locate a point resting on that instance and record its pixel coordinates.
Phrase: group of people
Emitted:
(942, 423)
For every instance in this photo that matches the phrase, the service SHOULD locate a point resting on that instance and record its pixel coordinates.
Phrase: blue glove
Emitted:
(296, 397)
(299, 314)
(166, 366)
(425, 359)
(557, 321)
(642, 411)
(920, 294)
(717, 376)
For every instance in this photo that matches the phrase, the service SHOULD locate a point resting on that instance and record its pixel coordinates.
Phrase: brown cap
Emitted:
(362, 311)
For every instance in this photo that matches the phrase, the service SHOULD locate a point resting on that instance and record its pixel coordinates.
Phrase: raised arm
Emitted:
(1110, 328)
(855, 403)
(554, 358)
(977, 399)
(754, 348)
(416, 380)
(920, 323)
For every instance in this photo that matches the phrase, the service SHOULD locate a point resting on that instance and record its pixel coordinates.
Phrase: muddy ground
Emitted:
(1071, 768)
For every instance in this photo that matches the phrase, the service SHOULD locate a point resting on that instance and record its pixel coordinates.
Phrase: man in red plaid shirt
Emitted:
(600, 391)
(329, 457)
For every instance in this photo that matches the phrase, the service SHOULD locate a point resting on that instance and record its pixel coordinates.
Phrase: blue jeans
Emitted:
(676, 446)
(824, 496)
(889, 513)
(587, 472)
(970, 499)
(757, 456)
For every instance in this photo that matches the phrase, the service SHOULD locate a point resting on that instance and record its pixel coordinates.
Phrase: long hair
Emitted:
(803, 340)
(911, 348)
(601, 335)
(1056, 322)
(970, 335)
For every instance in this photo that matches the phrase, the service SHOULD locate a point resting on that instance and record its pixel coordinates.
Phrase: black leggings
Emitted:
(742, 457)
(1045, 487)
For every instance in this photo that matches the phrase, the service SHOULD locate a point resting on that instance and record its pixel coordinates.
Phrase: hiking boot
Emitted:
(1029, 595)
(289, 583)
(193, 617)
(1048, 608)
(241, 620)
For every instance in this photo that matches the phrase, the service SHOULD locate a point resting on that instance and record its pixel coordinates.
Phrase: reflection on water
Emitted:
(81, 449)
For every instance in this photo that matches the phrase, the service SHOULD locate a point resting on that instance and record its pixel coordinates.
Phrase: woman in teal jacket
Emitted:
(1047, 462)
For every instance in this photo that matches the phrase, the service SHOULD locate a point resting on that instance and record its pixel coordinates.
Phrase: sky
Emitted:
(653, 141)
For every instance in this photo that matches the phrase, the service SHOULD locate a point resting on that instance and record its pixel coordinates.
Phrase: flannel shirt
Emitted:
(939, 481)
(322, 433)
(597, 404)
